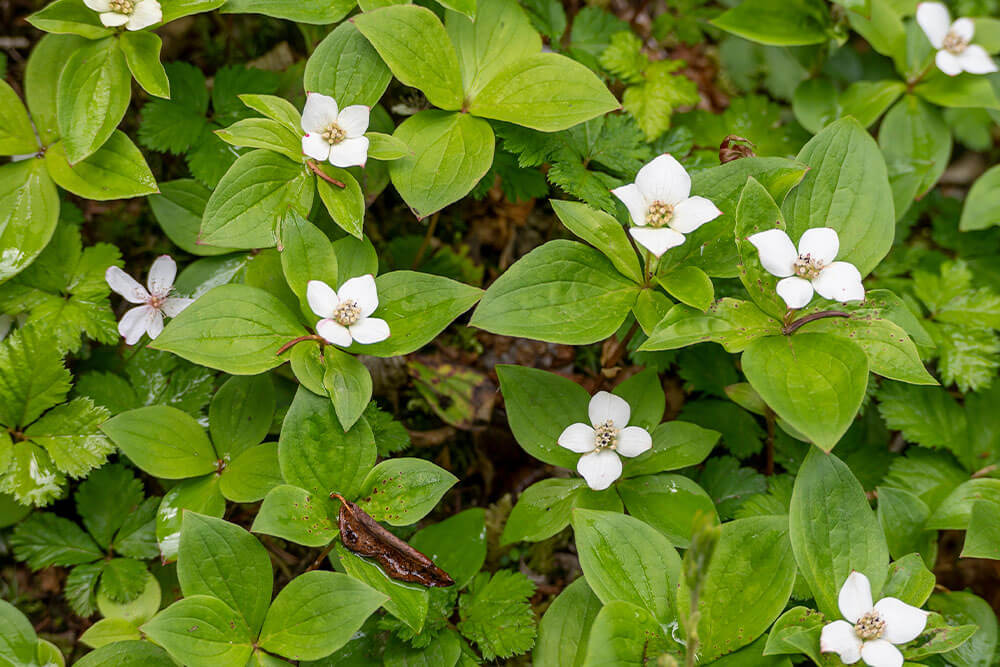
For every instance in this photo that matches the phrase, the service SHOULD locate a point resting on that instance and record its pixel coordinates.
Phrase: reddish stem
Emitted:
(322, 174)
(791, 327)
(289, 344)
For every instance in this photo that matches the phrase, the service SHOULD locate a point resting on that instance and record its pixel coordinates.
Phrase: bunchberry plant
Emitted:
(459, 332)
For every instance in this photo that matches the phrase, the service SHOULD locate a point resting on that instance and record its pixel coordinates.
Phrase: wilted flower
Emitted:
(346, 312)
(333, 134)
(660, 206)
(870, 629)
(956, 53)
(604, 440)
(133, 14)
(809, 268)
(156, 301)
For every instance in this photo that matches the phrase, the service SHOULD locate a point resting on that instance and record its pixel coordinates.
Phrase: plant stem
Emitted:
(769, 417)
(792, 327)
(322, 174)
(431, 226)
(294, 341)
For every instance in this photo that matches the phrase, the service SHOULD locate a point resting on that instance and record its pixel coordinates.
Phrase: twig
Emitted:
(294, 341)
(322, 174)
(322, 556)
(427, 240)
(769, 417)
(792, 327)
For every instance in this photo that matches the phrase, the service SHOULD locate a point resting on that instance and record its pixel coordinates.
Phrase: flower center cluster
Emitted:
(954, 43)
(606, 436)
(334, 134)
(807, 267)
(659, 214)
(347, 313)
(870, 626)
(156, 300)
(123, 6)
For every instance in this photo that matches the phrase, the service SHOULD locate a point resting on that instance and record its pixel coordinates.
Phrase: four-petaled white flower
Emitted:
(661, 207)
(809, 268)
(605, 440)
(346, 312)
(956, 53)
(334, 134)
(870, 629)
(156, 301)
(133, 14)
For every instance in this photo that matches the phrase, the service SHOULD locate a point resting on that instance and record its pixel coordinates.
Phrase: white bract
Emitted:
(660, 206)
(155, 302)
(809, 268)
(870, 629)
(133, 14)
(604, 439)
(346, 312)
(333, 134)
(956, 53)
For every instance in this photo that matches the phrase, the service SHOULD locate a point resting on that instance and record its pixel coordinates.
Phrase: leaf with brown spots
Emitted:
(364, 536)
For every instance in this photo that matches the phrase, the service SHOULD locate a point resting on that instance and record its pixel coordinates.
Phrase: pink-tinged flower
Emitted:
(346, 312)
(956, 52)
(155, 301)
(871, 630)
(333, 134)
(661, 207)
(605, 439)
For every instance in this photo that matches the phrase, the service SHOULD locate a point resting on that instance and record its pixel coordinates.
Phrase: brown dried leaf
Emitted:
(363, 535)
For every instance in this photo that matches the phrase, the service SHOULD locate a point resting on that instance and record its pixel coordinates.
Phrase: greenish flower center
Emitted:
(807, 267)
(659, 214)
(606, 436)
(954, 43)
(870, 626)
(347, 313)
(334, 134)
(123, 6)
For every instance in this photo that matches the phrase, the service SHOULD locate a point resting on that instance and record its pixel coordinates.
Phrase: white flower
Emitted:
(660, 205)
(956, 53)
(870, 629)
(605, 440)
(810, 268)
(133, 14)
(346, 312)
(156, 301)
(333, 134)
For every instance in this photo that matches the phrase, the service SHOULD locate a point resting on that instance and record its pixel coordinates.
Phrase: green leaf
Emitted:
(142, 54)
(938, 637)
(601, 231)
(44, 539)
(794, 23)
(982, 205)
(732, 323)
(246, 207)
(902, 516)
(70, 17)
(815, 382)
(202, 630)
(163, 441)
(317, 454)
(565, 628)
(221, 560)
(955, 511)
(847, 189)
(457, 545)
(316, 614)
(94, 91)
(41, 78)
(752, 567)
(137, 536)
(496, 615)
(798, 631)
(349, 383)
(176, 9)
(407, 602)
(277, 109)
(543, 510)
(625, 559)
(346, 67)
(868, 100)
(115, 170)
(415, 46)
(561, 292)
(689, 285)
(402, 491)
(346, 205)
(294, 514)
(450, 153)
(417, 307)
(916, 143)
(545, 91)
(982, 535)
(540, 405)
(69, 434)
(31, 477)
(758, 212)
(624, 634)
(122, 580)
(385, 146)
(962, 91)
(178, 208)
(263, 133)
(17, 136)
(960, 608)
(833, 530)
(105, 499)
(241, 413)
(109, 631)
(29, 211)
(17, 637)
(252, 474)
(292, 10)
(306, 254)
(127, 654)
(909, 580)
(666, 502)
(676, 445)
(201, 495)
(237, 329)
